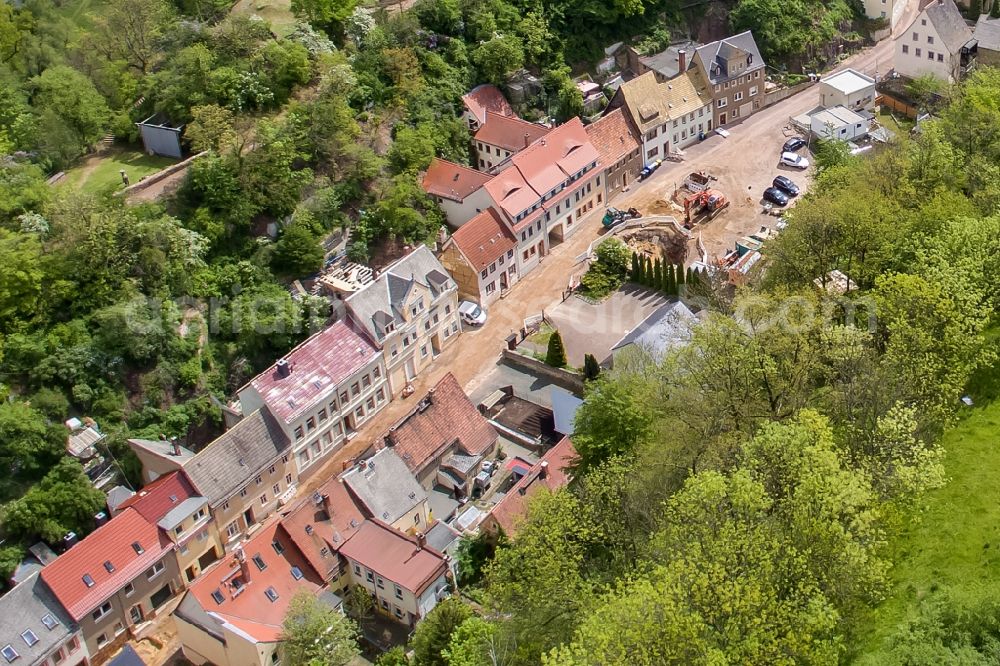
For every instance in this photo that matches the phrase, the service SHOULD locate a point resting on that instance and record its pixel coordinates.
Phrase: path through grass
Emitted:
(99, 172)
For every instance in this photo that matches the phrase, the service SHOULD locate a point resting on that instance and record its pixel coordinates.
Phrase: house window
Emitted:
(263, 499)
(737, 96)
(322, 417)
(484, 273)
(940, 57)
(232, 529)
(652, 151)
(917, 52)
(369, 575)
(722, 103)
(259, 561)
(299, 432)
(102, 611)
(271, 594)
(906, 48)
(930, 39)
(154, 571)
(359, 413)
(343, 394)
(399, 591)
(357, 570)
(491, 287)
(370, 403)
(916, 37)
(102, 640)
(278, 548)
(288, 479)
(303, 458)
(398, 612)
(243, 493)
(930, 55)
(258, 480)
(50, 621)
(379, 582)
(276, 489)
(310, 424)
(753, 91)
(380, 395)
(355, 389)
(385, 605)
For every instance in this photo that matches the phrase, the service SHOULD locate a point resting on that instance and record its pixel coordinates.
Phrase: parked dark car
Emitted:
(785, 184)
(793, 144)
(775, 196)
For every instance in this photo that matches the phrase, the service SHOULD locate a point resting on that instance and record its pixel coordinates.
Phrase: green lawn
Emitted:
(98, 173)
(955, 546)
(897, 123)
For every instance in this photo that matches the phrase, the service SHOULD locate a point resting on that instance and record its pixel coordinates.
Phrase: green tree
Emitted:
(316, 634)
(434, 632)
(412, 149)
(394, 657)
(21, 277)
(22, 188)
(477, 642)
(211, 128)
(72, 114)
(471, 556)
(614, 254)
(670, 286)
(591, 368)
(132, 31)
(324, 14)
(635, 273)
(28, 446)
(555, 354)
(297, 252)
(617, 416)
(498, 57)
(657, 275)
(63, 501)
(648, 272)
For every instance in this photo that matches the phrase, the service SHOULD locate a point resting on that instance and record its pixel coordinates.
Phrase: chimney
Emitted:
(421, 540)
(543, 470)
(241, 557)
(682, 61)
(283, 367)
(527, 139)
(176, 446)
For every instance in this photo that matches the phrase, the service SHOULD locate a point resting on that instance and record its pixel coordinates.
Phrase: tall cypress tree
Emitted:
(670, 288)
(680, 274)
(649, 272)
(689, 279)
(657, 274)
(635, 275)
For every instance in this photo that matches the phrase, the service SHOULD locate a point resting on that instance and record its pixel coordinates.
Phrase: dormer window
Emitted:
(137, 547)
(88, 580)
(389, 328)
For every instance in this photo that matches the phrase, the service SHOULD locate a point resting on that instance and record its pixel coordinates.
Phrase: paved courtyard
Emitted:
(588, 328)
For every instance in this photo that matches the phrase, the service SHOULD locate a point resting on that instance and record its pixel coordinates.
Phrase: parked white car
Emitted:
(471, 313)
(793, 160)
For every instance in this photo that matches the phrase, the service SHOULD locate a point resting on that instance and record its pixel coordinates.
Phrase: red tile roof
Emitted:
(112, 542)
(395, 556)
(612, 136)
(484, 238)
(319, 530)
(452, 181)
(510, 510)
(542, 166)
(486, 97)
(444, 417)
(509, 132)
(249, 608)
(319, 365)
(153, 501)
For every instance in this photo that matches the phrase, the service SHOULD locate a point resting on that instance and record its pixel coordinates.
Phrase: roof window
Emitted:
(217, 596)
(88, 580)
(137, 547)
(296, 573)
(29, 637)
(110, 568)
(50, 621)
(259, 561)
(271, 594)
(9, 653)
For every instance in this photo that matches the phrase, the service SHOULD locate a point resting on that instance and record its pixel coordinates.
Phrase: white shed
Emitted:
(839, 123)
(848, 88)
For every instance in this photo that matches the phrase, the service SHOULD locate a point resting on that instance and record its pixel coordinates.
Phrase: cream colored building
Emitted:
(411, 309)
(937, 43)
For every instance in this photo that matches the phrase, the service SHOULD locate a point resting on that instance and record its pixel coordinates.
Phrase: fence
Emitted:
(896, 105)
(776, 96)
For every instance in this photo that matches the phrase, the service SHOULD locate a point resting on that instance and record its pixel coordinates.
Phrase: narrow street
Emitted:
(746, 159)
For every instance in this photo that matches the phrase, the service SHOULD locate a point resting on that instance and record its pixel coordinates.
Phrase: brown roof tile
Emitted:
(484, 238)
(452, 181)
(395, 556)
(613, 135)
(445, 416)
(153, 501)
(327, 524)
(509, 132)
(510, 510)
(486, 97)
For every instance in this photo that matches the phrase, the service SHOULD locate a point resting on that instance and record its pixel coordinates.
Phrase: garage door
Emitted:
(746, 109)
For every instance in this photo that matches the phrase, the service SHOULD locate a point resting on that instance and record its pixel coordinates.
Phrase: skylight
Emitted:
(9, 653)
(49, 621)
(271, 594)
(217, 595)
(110, 568)
(88, 580)
(29, 637)
(296, 573)
(137, 547)
(259, 561)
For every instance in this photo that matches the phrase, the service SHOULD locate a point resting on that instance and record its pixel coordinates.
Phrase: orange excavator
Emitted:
(704, 206)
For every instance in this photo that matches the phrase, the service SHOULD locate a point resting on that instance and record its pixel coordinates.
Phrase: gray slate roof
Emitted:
(950, 25)
(667, 327)
(22, 609)
(222, 467)
(666, 62)
(988, 33)
(176, 515)
(117, 495)
(385, 487)
(382, 300)
(442, 537)
(718, 52)
(163, 449)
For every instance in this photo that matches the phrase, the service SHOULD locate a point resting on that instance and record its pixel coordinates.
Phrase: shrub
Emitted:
(556, 353)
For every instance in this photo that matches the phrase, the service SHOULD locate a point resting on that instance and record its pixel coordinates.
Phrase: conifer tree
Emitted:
(556, 353)
(670, 288)
(680, 275)
(657, 275)
(648, 272)
(635, 275)
(591, 368)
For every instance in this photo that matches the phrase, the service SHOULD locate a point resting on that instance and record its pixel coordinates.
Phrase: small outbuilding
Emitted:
(160, 136)
(839, 123)
(849, 88)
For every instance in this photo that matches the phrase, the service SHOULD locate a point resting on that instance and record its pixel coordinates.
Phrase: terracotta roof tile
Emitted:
(444, 417)
(395, 556)
(613, 136)
(484, 238)
(509, 132)
(510, 510)
(326, 525)
(154, 500)
(318, 365)
(486, 97)
(452, 181)
(247, 606)
(112, 542)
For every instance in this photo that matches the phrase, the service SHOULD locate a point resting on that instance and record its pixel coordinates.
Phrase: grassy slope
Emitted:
(956, 543)
(105, 174)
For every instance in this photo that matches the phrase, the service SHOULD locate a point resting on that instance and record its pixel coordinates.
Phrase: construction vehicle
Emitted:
(704, 206)
(613, 217)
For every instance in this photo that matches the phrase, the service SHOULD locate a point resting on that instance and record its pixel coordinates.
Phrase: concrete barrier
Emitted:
(567, 379)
